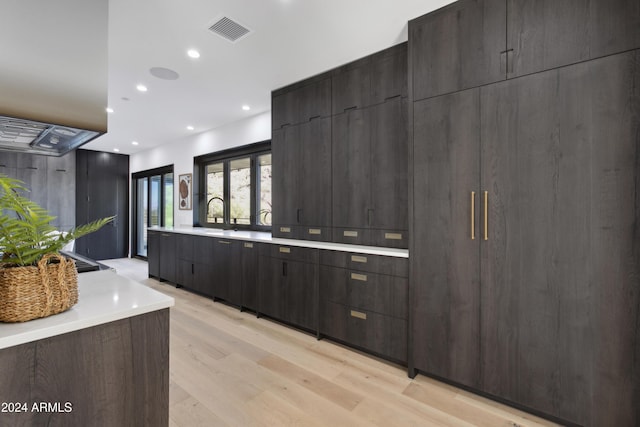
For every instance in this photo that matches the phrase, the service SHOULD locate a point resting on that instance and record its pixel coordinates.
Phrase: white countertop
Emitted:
(264, 237)
(103, 297)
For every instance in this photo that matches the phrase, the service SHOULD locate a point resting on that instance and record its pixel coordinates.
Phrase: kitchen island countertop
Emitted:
(104, 296)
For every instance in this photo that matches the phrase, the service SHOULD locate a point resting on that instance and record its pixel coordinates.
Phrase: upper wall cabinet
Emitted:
(458, 47)
(471, 43)
(546, 34)
(371, 80)
(301, 103)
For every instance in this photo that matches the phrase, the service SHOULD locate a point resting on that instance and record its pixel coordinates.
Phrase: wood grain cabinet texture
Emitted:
(343, 178)
(51, 182)
(249, 275)
(544, 254)
(288, 288)
(111, 375)
(302, 180)
(470, 43)
(162, 259)
(194, 263)
(362, 305)
(226, 270)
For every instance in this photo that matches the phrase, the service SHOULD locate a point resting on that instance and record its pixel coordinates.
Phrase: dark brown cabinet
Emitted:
(351, 88)
(523, 249)
(445, 269)
(226, 265)
(303, 102)
(161, 256)
(249, 275)
(102, 190)
(194, 263)
(457, 47)
(302, 180)
(362, 305)
(61, 188)
(546, 34)
(288, 288)
(369, 158)
(153, 253)
(471, 43)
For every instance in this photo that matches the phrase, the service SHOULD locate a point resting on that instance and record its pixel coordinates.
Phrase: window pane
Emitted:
(141, 228)
(215, 193)
(240, 190)
(264, 190)
(168, 200)
(155, 201)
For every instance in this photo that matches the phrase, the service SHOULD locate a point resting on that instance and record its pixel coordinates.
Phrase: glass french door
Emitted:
(154, 204)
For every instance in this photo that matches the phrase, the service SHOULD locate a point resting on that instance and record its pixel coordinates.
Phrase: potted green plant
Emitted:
(35, 280)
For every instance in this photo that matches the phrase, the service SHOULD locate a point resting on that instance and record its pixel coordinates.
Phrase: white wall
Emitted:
(180, 154)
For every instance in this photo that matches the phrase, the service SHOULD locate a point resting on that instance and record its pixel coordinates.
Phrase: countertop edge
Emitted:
(265, 237)
(75, 319)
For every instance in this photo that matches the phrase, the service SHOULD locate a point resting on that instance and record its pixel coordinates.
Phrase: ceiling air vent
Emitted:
(229, 29)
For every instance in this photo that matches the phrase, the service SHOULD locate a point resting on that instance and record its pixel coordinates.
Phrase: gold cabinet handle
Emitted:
(473, 215)
(486, 215)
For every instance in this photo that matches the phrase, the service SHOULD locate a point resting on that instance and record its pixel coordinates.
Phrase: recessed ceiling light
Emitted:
(193, 53)
(141, 88)
(109, 110)
(117, 150)
(190, 128)
(246, 108)
(134, 142)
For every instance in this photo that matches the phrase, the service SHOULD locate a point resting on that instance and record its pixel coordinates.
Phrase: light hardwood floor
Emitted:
(229, 368)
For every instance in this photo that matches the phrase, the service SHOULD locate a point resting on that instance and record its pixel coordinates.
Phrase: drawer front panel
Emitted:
(383, 335)
(288, 252)
(392, 266)
(368, 291)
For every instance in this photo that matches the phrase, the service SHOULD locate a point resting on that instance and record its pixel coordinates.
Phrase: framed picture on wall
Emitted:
(184, 191)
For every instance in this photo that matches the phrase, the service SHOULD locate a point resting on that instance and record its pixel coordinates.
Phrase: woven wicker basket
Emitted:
(32, 292)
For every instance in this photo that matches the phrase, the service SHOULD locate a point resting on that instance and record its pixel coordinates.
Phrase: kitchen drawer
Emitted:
(383, 335)
(288, 252)
(367, 291)
(299, 232)
(352, 236)
(390, 238)
(392, 266)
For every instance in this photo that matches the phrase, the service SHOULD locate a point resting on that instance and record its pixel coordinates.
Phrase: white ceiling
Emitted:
(290, 41)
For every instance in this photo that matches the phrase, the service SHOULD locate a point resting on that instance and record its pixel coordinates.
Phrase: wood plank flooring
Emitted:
(229, 368)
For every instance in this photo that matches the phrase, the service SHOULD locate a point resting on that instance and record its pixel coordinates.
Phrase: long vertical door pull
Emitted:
(473, 215)
(486, 215)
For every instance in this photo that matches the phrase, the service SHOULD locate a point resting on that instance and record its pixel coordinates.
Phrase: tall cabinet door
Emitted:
(389, 154)
(351, 168)
(560, 269)
(445, 251)
(285, 180)
(457, 47)
(314, 173)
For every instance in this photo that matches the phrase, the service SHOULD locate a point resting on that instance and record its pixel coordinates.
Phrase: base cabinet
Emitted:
(363, 302)
(249, 275)
(226, 273)
(288, 289)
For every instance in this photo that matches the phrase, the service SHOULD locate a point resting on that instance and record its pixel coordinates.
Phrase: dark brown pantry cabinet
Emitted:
(525, 259)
